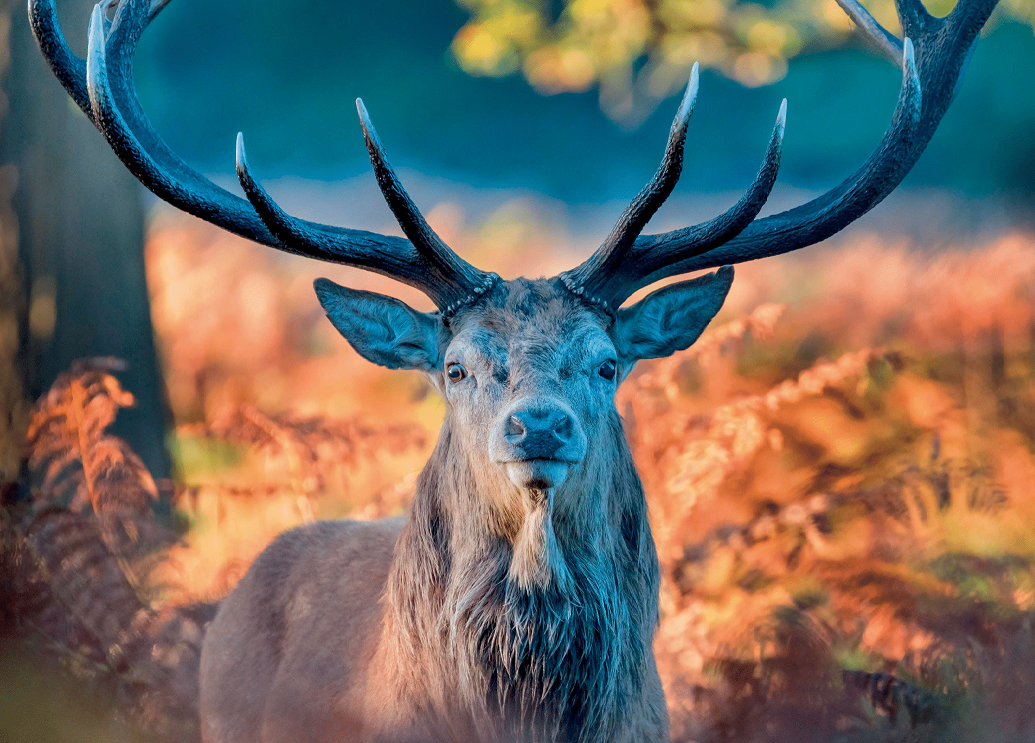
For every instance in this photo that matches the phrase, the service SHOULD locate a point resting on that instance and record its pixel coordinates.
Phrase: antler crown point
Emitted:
(690, 95)
(364, 117)
(242, 157)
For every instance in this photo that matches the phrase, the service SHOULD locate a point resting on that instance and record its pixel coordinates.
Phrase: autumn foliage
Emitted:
(841, 475)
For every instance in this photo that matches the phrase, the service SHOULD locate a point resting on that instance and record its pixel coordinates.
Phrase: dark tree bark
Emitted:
(80, 236)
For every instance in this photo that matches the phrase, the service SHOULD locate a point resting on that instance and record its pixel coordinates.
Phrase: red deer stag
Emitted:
(519, 599)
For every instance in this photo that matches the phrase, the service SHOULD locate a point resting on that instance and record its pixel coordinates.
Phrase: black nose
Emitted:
(539, 432)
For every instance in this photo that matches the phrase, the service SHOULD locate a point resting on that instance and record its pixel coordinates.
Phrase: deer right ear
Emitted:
(383, 329)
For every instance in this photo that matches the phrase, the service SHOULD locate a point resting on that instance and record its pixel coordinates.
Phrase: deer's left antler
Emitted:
(933, 55)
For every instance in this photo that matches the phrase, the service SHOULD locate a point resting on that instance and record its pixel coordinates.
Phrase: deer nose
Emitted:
(539, 432)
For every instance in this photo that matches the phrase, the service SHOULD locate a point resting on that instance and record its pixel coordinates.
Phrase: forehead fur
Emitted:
(543, 305)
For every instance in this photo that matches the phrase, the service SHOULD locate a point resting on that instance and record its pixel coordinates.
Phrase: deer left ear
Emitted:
(382, 329)
(671, 319)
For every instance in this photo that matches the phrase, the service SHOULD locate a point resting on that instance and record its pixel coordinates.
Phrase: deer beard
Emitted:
(537, 562)
(537, 640)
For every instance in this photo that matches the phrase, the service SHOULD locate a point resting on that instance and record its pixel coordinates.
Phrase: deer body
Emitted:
(519, 600)
(494, 613)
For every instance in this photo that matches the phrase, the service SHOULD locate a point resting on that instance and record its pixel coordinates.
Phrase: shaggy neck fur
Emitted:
(526, 629)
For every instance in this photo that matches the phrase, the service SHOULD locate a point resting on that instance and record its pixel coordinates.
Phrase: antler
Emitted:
(102, 86)
(931, 73)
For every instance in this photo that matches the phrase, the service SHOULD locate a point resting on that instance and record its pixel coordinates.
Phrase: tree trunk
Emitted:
(78, 237)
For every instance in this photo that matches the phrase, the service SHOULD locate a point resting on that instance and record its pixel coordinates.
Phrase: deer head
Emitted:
(528, 368)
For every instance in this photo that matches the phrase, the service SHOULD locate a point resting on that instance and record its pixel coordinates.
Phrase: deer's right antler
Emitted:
(102, 86)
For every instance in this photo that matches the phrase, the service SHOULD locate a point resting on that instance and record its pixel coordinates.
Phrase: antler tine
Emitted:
(401, 259)
(609, 255)
(610, 283)
(102, 86)
(111, 104)
(912, 15)
(884, 40)
(68, 67)
(368, 250)
(440, 258)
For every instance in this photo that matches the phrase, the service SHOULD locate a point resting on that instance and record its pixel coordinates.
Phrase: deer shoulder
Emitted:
(279, 655)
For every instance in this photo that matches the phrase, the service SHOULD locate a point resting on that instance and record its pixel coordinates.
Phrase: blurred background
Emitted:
(845, 463)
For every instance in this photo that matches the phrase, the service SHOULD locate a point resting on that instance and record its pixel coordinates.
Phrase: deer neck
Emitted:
(503, 602)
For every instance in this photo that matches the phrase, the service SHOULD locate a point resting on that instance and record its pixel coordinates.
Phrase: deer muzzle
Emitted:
(538, 441)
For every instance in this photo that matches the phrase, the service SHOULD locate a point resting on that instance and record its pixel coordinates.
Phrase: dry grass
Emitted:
(841, 472)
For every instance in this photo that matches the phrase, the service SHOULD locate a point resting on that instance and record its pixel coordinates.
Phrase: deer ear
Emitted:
(672, 318)
(382, 329)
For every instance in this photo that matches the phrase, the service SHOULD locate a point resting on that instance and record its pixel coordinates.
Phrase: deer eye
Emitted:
(455, 372)
(607, 370)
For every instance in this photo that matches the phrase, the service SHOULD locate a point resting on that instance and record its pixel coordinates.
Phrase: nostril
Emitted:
(515, 429)
(539, 432)
(564, 428)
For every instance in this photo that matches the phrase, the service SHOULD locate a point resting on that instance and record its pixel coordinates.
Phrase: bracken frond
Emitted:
(314, 449)
(73, 560)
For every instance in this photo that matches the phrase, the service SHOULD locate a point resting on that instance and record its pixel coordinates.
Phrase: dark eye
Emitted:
(607, 370)
(455, 372)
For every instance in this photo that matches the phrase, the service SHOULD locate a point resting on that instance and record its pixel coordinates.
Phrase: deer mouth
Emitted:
(540, 473)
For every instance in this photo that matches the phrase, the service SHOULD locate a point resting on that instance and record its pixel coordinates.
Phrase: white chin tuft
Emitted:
(537, 474)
